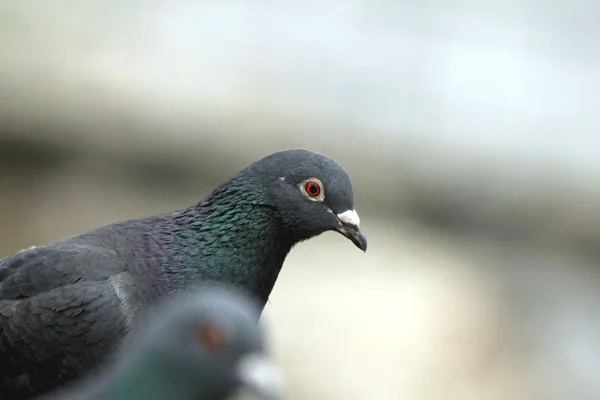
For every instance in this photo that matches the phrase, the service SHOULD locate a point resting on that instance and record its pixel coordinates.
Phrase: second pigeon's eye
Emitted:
(313, 189)
(211, 338)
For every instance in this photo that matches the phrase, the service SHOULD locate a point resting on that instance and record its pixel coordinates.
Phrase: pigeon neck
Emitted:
(145, 379)
(233, 236)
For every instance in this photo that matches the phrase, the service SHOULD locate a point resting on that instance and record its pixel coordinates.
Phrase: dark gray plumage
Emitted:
(65, 305)
(202, 346)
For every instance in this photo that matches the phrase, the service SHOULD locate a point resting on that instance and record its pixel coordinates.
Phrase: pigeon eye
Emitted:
(312, 188)
(211, 338)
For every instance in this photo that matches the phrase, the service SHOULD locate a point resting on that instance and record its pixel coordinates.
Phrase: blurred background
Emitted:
(469, 129)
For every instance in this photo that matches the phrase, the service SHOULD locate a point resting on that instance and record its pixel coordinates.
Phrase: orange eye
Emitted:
(312, 188)
(211, 338)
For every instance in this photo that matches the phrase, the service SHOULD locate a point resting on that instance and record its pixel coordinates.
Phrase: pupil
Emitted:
(313, 189)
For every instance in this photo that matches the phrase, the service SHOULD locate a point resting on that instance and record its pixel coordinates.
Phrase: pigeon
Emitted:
(200, 345)
(67, 304)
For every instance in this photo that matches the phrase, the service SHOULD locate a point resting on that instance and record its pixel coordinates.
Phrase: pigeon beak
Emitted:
(349, 226)
(259, 374)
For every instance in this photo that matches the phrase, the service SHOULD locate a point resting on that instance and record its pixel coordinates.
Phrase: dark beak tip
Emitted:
(355, 234)
(362, 243)
(358, 238)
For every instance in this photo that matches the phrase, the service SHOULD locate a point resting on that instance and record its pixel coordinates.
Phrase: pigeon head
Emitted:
(311, 192)
(209, 345)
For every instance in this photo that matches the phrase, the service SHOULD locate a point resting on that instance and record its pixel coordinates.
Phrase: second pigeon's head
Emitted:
(312, 193)
(209, 341)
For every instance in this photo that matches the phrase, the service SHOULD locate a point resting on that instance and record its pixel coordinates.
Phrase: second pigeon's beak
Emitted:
(349, 226)
(260, 375)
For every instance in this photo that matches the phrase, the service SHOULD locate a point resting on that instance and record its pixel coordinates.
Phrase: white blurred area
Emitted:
(469, 129)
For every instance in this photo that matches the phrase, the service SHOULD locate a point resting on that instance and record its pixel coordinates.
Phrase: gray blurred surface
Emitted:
(469, 130)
